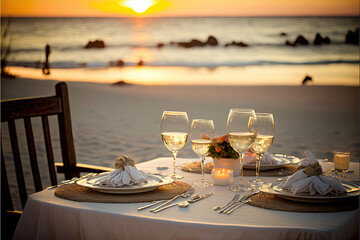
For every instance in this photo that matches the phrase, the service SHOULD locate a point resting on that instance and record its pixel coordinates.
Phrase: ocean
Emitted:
(135, 39)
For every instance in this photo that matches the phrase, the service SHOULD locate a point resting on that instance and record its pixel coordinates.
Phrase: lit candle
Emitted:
(222, 176)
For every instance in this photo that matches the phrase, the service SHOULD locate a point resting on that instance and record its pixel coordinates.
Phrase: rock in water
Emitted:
(95, 44)
(320, 40)
(352, 37)
(300, 40)
(212, 41)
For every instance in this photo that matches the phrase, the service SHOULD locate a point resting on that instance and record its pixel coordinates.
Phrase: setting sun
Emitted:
(139, 6)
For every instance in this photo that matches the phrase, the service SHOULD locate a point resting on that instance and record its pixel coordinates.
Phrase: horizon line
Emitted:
(233, 16)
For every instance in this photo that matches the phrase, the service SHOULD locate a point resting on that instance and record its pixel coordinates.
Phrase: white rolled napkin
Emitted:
(309, 180)
(125, 174)
(250, 158)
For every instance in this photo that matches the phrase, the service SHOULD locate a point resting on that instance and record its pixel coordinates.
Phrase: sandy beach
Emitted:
(109, 121)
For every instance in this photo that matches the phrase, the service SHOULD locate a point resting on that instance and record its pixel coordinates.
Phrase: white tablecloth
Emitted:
(48, 217)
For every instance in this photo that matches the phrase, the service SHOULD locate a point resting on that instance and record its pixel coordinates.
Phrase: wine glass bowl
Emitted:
(202, 130)
(174, 133)
(241, 127)
(263, 141)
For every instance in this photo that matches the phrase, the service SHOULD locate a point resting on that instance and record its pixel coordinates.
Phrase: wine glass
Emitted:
(241, 127)
(263, 141)
(202, 131)
(174, 133)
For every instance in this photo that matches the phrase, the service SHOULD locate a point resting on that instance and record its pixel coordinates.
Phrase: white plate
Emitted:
(352, 190)
(282, 160)
(153, 183)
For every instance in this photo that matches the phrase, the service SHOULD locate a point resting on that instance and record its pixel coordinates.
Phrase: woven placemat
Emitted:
(78, 193)
(287, 170)
(273, 202)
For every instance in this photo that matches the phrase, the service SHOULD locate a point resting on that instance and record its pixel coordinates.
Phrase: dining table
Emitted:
(47, 216)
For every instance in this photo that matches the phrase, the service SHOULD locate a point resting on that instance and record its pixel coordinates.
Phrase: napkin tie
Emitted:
(309, 179)
(125, 174)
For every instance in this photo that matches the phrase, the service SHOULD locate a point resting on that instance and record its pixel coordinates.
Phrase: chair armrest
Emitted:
(82, 167)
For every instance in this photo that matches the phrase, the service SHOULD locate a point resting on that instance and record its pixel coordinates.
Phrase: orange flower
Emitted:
(203, 136)
(220, 140)
(218, 149)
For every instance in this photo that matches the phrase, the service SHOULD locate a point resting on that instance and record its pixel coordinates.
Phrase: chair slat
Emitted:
(65, 131)
(32, 154)
(17, 162)
(19, 108)
(49, 150)
(6, 202)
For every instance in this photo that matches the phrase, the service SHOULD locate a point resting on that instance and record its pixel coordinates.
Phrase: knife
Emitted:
(192, 200)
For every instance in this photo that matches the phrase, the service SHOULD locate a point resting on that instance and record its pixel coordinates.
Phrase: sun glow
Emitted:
(139, 6)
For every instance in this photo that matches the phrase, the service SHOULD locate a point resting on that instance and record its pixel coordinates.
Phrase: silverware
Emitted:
(235, 198)
(184, 204)
(150, 205)
(231, 203)
(184, 195)
(237, 206)
(73, 180)
(239, 203)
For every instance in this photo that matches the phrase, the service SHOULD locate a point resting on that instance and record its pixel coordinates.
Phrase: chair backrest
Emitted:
(42, 107)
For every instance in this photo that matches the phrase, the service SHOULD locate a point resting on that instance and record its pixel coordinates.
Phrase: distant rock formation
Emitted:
(95, 44)
(211, 41)
(320, 40)
(140, 63)
(118, 63)
(160, 45)
(352, 37)
(300, 40)
(307, 79)
(122, 83)
(238, 44)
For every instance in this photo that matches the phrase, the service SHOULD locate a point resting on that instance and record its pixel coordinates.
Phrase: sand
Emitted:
(109, 121)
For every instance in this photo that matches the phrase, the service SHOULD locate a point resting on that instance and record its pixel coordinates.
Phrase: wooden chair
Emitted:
(26, 109)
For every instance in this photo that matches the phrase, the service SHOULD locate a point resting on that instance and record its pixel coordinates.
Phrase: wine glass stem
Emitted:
(241, 167)
(258, 158)
(202, 169)
(174, 170)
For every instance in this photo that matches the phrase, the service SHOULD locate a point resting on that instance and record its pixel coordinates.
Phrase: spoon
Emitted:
(183, 204)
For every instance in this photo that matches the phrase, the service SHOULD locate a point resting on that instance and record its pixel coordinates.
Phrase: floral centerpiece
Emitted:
(221, 148)
(224, 156)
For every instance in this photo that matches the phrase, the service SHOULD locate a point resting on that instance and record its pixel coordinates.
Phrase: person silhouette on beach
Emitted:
(46, 68)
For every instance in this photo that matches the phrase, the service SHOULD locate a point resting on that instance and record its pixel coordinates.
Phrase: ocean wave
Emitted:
(73, 64)
(76, 47)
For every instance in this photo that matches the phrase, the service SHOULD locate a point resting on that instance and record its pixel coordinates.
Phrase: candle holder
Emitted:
(222, 176)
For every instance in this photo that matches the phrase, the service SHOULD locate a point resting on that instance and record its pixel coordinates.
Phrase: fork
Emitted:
(234, 199)
(240, 202)
(184, 195)
(73, 180)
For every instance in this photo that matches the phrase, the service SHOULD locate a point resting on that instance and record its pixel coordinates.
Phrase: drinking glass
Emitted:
(201, 132)
(341, 163)
(174, 133)
(263, 141)
(241, 127)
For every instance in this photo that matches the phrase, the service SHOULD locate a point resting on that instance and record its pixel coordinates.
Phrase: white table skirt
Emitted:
(48, 217)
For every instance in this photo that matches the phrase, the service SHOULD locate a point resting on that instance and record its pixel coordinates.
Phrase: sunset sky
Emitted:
(178, 8)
